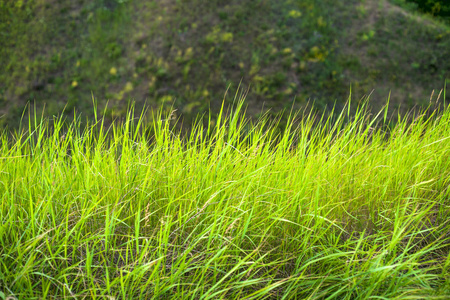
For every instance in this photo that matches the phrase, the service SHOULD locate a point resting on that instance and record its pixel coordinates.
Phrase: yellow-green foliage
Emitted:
(337, 207)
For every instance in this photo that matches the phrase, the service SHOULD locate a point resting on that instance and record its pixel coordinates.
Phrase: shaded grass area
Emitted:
(387, 46)
(437, 8)
(335, 207)
(55, 53)
(186, 53)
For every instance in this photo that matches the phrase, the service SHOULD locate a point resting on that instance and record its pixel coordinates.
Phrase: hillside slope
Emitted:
(187, 53)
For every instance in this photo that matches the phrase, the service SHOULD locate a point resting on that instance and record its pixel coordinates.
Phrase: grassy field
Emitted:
(187, 53)
(337, 207)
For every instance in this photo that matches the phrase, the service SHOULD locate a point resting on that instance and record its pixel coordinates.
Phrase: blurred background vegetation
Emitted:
(437, 8)
(186, 54)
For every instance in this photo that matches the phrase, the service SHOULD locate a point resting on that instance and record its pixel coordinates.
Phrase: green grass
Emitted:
(335, 207)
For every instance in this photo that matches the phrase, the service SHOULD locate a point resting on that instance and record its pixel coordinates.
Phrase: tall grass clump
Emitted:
(329, 207)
